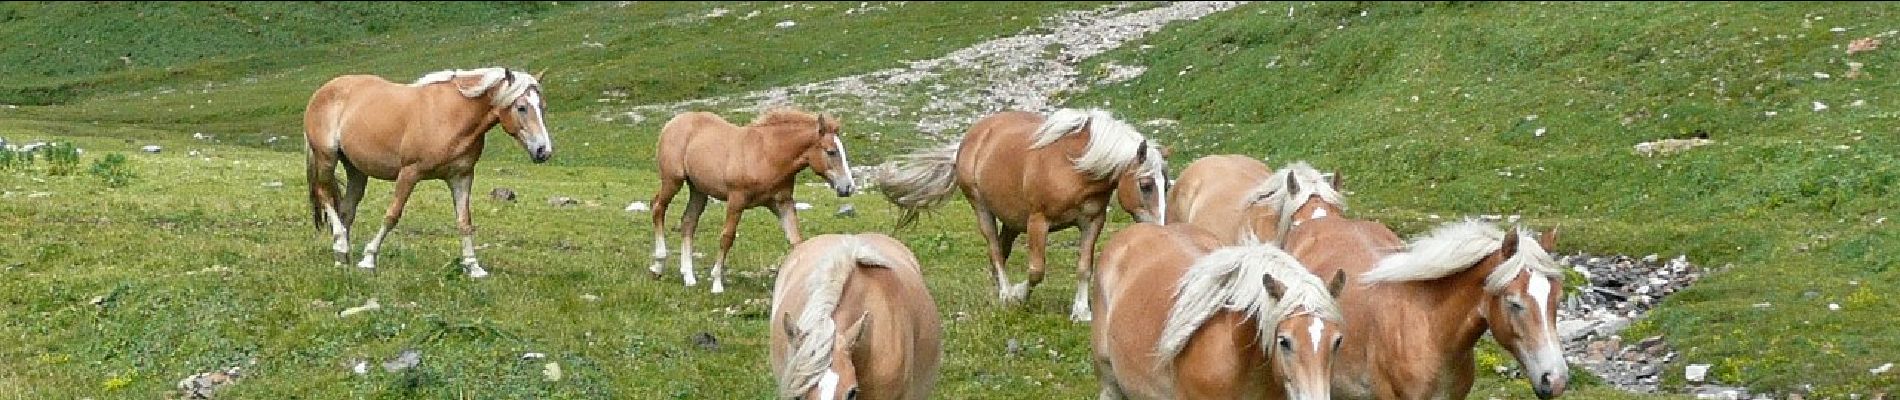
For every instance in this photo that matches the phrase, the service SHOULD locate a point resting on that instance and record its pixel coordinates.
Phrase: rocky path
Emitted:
(942, 94)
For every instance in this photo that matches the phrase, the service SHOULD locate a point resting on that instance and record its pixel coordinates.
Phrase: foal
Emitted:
(747, 167)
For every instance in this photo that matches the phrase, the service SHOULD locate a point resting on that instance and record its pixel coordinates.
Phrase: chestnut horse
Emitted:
(1239, 198)
(891, 343)
(1179, 316)
(745, 166)
(1023, 172)
(429, 129)
(1418, 309)
(1129, 195)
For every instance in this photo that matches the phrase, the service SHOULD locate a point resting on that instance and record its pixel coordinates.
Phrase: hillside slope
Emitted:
(1533, 109)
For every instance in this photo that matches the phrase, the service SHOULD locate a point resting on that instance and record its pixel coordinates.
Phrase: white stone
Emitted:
(1696, 373)
(640, 206)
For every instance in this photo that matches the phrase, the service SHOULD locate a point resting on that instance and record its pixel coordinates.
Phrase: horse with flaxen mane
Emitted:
(1238, 198)
(745, 166)
(1026, 173)
(853, 320)
(1180, 316)
(431, 129)
(1417, 309)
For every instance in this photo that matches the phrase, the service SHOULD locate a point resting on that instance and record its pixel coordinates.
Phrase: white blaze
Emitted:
(1319, 213)
(540, 123)
(828, 385)
(1313, 331)
(843, 160)
(1540, 291)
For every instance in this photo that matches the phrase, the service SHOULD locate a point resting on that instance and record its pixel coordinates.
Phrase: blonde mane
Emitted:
(1230, 279)
(1456, 246)
(810, 352)
(506, 94)
(1273, 192)
(1113, 144)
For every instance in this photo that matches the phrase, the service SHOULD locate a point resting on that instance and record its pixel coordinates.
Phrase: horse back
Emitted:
(1332, 244)
(1212, 192)
(902, 349)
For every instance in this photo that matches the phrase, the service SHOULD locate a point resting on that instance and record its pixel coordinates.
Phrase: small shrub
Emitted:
(62, 158)
(114, 170)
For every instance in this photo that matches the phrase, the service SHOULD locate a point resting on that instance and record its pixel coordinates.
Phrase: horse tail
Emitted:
(1233, 278)
(919, 181)
(316, 206)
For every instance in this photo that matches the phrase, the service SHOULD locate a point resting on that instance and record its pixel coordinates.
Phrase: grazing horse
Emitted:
(890, 346)
(1418, 309)
(745, 166)
(1239, 198)
(1023, 172)
(429, 129)
(1179, 316)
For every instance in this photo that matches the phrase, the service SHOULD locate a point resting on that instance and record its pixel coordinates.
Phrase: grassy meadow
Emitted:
(117, 281)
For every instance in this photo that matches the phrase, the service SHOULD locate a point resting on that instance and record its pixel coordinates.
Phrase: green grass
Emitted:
(201, 265)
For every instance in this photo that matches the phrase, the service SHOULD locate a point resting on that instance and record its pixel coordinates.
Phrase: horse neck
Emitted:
(481, 106)
(1451, 303)
(777, 146)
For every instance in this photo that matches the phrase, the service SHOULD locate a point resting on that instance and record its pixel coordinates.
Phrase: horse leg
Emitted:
(352, 193)
(1085, 268)
(787, 220)
(405, 183)
(458, 189)
(668, 188)
(323, 190)
(689, 223)
(999, 249)
(734, 208)
(1038, 254)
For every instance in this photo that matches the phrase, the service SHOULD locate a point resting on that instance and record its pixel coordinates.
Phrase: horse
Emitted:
(1418, 308)
(1239, 198)
(1024, 172)
(891, 346)
(747, 167)
(1181, 316)
(428, 129)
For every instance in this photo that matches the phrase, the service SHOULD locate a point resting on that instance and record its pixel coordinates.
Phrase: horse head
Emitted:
(1520, 308)
(1143, 190)
(520, 109)
(840, 381)
(1304, 344)
(1297, 193)
(826, 156)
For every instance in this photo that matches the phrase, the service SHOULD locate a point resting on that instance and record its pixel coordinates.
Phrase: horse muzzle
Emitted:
(541, 154)
(1549, 385)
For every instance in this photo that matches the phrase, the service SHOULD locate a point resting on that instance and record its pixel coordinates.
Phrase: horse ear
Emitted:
(856, 331)
(1141, 153)
(1509, 248)
(785, 319)
(1338, 284)
(1549, 239)
(508, 75)
(1167, 151)
(1292, 184)
(821, 124)
(1337, 182)
(1273, 287)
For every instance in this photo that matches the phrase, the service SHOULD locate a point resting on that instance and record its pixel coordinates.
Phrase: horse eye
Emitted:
(1286, 344)
(851, 395)
(1517, 307)
(521, 109)
(1337, 342)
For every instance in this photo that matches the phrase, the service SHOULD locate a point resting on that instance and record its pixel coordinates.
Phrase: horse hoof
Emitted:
(718, 288)
(476, 271)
